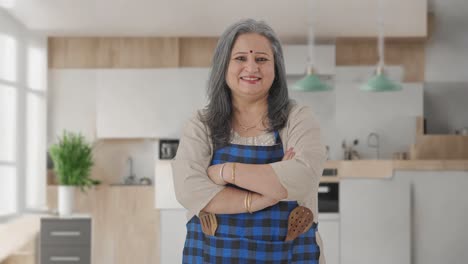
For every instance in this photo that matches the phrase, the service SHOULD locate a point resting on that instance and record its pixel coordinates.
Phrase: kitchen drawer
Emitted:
(65, 255)
(65, 232)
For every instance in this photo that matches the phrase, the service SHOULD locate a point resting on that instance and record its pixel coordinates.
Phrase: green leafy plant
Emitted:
(73, 160)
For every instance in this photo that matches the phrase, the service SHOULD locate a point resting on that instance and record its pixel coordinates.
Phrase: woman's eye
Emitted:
(241, 58)
(262, 59)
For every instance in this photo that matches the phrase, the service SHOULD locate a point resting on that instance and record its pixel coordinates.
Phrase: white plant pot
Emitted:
(66, 195)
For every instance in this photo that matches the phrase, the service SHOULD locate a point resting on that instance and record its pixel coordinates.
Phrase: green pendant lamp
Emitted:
(380, 82)
(311, 82)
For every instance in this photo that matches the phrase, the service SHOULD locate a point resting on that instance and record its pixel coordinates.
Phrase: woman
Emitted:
(250, 157)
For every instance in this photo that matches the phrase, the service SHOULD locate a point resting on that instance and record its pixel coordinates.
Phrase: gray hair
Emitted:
(218, 111)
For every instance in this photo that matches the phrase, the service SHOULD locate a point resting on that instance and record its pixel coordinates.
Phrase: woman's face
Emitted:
(251, 69)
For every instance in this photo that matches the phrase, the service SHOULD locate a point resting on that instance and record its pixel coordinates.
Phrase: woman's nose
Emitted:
(251, 65)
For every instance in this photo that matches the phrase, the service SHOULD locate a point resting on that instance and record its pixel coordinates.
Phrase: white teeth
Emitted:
(250, 79)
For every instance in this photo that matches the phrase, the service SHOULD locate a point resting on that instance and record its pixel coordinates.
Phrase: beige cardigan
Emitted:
(300, 175)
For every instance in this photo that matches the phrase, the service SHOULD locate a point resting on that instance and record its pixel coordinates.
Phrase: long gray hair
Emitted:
(218, 113)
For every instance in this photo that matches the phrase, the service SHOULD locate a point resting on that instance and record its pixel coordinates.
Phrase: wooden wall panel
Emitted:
(113, 52)
(72, 52)
(158, 52)
(440, 147)
(196, 52)
(138, 52)
(410, 53)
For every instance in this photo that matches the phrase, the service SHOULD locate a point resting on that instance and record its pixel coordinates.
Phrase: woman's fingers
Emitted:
(289, 154)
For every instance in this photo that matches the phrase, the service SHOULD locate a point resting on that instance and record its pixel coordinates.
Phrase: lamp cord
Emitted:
(381, 40)
(311, 38)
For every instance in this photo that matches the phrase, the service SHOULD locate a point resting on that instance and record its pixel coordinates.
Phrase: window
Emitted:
(8, 57)
(23, 71)
(8, 123)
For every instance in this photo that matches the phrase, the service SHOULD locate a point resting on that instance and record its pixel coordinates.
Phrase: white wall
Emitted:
(346, 113)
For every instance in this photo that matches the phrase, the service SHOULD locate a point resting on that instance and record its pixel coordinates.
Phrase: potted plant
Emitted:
(73, 159)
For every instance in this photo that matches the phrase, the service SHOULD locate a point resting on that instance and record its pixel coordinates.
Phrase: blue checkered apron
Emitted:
(251, 238)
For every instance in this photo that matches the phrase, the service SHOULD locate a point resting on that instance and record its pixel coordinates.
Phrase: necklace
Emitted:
(245, 128)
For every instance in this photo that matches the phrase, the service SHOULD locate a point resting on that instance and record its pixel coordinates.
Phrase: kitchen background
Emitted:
(125, 93)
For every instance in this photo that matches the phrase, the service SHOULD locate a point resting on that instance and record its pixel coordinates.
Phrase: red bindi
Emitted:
(251, 51)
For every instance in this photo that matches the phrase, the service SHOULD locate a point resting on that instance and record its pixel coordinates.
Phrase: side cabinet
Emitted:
(65, 240)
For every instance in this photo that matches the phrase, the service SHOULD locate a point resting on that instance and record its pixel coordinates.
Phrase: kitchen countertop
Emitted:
(386, 168)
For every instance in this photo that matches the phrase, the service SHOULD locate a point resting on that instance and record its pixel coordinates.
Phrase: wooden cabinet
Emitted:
(151, 103)
(125, 223)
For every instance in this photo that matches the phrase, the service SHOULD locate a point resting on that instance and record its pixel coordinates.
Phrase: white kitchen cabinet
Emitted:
(148, 103)
(295, 59)
(375, 221)
(329, 229)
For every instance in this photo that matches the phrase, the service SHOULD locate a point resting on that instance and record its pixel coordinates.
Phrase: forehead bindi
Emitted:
(252, 44)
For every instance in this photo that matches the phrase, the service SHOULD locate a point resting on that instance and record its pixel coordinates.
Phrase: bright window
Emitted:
(37, 65)
(8, 60)
(7, 123)
(23, 87)
(8, 194)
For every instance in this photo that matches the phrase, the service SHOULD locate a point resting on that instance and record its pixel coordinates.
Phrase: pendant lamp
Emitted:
(380, 82)
(311, 82)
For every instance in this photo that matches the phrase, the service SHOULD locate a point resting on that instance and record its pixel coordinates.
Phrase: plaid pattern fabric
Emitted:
(251, 238)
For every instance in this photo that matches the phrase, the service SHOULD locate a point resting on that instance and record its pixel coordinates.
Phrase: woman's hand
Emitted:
(213, 173)
(215, 170)
(289, 154)
(260, 202)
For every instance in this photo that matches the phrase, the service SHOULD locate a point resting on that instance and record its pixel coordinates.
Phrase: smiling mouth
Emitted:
(251, 80)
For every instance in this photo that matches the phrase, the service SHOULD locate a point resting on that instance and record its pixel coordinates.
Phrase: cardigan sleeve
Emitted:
(193, 188)
(302, 173)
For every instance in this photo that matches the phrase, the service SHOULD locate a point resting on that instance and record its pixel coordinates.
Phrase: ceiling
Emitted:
(332, 18)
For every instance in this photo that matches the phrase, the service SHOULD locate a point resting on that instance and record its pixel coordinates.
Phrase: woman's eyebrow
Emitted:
(257, 52)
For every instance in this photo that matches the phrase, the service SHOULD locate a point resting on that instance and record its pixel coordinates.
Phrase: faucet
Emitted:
(376, 144)
(130, 179)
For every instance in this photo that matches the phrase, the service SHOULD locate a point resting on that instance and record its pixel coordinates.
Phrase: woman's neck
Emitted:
(250, 117)
(250, 109)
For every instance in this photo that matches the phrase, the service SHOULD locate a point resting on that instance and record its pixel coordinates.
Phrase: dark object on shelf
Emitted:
(328, 198)
(349, 152)
(330, 172)
(168, 148)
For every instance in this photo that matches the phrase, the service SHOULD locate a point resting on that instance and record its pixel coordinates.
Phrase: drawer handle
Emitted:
(71, 259)
(65, 233)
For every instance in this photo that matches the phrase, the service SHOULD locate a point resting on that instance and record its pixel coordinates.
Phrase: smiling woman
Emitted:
(248, 165)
